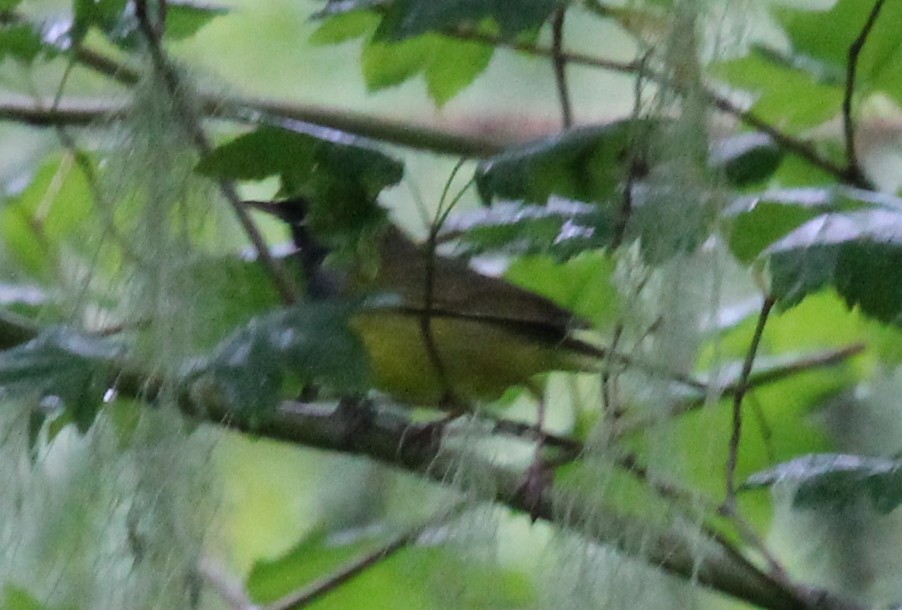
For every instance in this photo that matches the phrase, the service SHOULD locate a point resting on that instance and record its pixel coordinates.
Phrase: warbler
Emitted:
(442, 334)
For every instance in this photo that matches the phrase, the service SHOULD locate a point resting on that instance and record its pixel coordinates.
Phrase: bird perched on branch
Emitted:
(440, 334)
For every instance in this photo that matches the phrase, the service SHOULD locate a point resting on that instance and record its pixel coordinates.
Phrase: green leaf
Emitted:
(108, 16)
(313, 557)
(44, 219)
(828, 35)
(747, 158)
(311, 342)
(836, 481)
(859, 254)
(760, 220)
(583, 284)
(342, 27)
(64, 368)
(408, 18)
(18, 598)
(387, 64)
(789, 98)
(9, 5)
(184, 19)
(117, 21)
(340, 175)
(592, 165)
(561, 228)
(22, 42)
(245, 371)
(448, 65)
(125, 416)
(230, 290)
(586, 164)
(403, 580)
(453, 66)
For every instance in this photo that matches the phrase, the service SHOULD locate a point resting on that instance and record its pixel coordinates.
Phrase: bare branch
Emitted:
(71, 113)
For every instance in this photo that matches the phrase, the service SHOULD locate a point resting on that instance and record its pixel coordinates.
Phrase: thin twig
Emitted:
(742, 388)
(828, 358)
(798, 147)
(193, 127)
(309, 594)
(852, 168)
(26, 110)
(560, 66)
(609, 401)
(761, 378)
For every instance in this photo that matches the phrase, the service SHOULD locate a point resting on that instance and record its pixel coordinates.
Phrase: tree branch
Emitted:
(352, 428)
(71, 113)
(724, 104)
(84, 113)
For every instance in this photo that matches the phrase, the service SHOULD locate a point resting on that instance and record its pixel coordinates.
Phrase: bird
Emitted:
(437, 332)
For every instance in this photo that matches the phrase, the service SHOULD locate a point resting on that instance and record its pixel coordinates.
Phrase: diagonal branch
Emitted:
(353, 429)
(192, 126)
